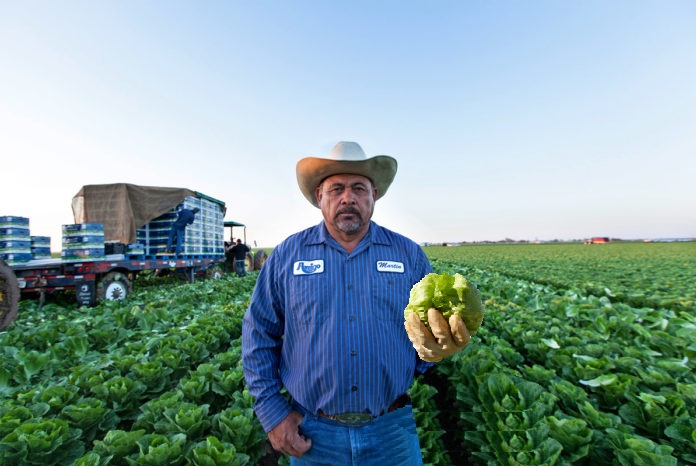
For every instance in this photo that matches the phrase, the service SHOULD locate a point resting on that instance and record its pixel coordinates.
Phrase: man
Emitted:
(326, 322)
(238, 253)
(177, 233)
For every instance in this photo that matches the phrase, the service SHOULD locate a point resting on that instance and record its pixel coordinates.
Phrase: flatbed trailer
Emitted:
(107, 279)
(93, 280)
(120, 230)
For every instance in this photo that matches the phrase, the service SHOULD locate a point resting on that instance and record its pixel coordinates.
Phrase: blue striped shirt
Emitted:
(329, 326)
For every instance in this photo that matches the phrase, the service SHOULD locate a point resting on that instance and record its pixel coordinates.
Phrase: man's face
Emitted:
(347, 202)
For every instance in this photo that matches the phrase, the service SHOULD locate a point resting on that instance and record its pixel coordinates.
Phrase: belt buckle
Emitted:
(353, 419)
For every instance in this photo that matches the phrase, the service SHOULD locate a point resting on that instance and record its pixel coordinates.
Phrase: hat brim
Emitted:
(311, 171)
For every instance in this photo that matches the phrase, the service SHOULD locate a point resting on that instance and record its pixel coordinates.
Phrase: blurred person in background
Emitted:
(184, 218)
(238, 253)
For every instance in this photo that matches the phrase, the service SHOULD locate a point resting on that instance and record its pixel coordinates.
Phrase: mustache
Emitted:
(349, 210)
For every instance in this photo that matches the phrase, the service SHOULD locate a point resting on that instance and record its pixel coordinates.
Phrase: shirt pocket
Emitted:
(390, 295)
(308, 302)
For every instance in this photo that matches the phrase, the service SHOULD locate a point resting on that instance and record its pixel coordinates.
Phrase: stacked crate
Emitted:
(83, 241)
(15, 241)
(204, 237)
(136, 249)
(153, 236)
(41, 247)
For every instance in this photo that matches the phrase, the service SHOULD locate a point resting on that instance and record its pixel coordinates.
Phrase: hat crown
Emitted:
(347, 158)
(347, 151)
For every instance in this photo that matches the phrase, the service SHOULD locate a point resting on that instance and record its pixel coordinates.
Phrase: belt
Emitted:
(361, 419)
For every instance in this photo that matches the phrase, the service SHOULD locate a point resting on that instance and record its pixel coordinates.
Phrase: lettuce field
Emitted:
(585, 356)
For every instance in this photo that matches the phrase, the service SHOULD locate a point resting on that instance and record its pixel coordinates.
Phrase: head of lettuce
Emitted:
(442, 313)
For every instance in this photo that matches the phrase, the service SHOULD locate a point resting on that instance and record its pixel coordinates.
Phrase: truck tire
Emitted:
(248, 262)
(214, 272)
(9, 295)
(115, 286)
(260, 259)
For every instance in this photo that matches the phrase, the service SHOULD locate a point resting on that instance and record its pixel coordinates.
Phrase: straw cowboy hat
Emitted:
(345, 158)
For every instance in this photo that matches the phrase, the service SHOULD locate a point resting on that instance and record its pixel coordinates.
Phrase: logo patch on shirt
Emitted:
(308, 267)
(390, 266)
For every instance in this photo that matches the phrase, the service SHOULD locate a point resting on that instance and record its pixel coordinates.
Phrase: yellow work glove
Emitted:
(441, 339)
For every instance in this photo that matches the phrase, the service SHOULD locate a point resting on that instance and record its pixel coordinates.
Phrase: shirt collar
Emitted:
(375, 235)
(378, 236)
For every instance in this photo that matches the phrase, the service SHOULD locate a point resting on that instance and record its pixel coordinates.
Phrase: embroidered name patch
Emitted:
(390, 266)
(308, 267)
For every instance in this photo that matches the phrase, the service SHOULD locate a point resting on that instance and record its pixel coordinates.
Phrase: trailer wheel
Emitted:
(214, 272)
(260, 259)
(115, 286)
(9, 295)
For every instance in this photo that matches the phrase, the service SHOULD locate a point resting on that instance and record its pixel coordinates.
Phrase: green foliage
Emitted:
(429, 429)
(41, 442)
(91, 416)
(639, 274)
(238, 426)
(213, 452)
(587, 357)
(618, 374)
(125, 382)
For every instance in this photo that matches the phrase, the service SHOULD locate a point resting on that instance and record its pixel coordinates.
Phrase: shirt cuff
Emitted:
(272, 411)
(422, 366)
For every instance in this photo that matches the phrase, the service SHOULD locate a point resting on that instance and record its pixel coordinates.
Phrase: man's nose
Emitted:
(348, 197)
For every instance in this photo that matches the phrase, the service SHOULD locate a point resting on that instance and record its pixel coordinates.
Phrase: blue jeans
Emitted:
(241, 271)
(389, 440)
(178, 235)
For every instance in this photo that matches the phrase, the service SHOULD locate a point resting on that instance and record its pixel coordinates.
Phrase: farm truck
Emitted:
(120, 230)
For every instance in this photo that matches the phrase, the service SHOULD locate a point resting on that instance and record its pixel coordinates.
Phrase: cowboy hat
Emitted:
(345, 158)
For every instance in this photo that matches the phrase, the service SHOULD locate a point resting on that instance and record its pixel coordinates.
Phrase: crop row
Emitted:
(556, 377)
(659, 275)
(157, 380)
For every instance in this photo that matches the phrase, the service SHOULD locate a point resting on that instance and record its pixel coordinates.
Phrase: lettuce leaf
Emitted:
(449, 294)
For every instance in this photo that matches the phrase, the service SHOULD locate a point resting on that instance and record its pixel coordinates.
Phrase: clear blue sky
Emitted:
(524, 120)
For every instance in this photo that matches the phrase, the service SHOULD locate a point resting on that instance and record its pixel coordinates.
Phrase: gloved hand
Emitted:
(444, 339)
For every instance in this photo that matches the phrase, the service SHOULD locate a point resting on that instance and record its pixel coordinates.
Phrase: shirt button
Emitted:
(351, 318)
(353, 353)
(354, 388)
(350, 286)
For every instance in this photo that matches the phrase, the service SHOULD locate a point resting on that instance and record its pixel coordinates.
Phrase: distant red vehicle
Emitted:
(597, 240)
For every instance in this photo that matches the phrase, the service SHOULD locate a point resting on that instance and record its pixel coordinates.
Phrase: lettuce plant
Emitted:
(41, 442)
(449, 294)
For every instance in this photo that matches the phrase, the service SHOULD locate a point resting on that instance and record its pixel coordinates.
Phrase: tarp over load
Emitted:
(123, 208)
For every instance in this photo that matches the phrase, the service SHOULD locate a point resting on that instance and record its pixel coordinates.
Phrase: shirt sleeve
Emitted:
(262, 330)
(422, 366)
